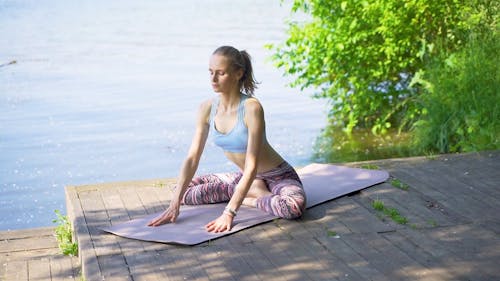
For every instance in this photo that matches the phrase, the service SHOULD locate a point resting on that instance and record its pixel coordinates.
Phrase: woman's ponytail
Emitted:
(248, 80)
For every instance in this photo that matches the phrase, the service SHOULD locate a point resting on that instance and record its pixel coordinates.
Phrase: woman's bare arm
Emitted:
(189, 166)
(254, 117)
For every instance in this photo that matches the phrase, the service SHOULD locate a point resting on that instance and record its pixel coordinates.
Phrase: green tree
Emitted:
(462, 104)
(363, 55)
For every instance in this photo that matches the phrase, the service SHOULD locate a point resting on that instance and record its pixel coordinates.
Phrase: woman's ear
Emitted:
(239, 74)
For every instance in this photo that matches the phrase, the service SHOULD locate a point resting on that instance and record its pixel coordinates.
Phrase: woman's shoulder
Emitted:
(204, 108)
(207, 103)
(253, 104)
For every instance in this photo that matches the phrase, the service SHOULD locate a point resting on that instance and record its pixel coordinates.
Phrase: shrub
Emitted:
(64, 236)
(461, 103)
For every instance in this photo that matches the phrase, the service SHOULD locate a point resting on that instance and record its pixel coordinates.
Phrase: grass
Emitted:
(378, 205)
(370, 167)
(460, 111)
(393, 213)
(433, 223)
(333, 234)
(64, 235)
(399, 184)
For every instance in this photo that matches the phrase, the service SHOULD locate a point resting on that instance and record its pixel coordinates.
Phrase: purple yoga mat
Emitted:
(322, 182)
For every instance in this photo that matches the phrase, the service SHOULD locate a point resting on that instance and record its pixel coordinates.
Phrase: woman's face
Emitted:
(222, 77)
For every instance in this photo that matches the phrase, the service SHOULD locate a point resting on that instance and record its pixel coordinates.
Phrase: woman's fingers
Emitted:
(165, 217)
(210, 226)
(218, 225)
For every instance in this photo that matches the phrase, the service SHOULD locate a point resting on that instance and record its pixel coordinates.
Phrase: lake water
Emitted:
(107, 91)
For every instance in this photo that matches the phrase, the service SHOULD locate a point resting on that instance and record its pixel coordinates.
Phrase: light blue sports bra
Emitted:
(235, 140)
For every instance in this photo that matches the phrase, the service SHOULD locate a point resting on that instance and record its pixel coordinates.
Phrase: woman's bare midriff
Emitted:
(268, 159)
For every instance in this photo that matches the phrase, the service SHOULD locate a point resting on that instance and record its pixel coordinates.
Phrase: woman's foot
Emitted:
(250, 202)
(258, 189)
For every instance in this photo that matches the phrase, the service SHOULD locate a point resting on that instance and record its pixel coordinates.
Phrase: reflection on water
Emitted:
(334, 146)
(107, 90)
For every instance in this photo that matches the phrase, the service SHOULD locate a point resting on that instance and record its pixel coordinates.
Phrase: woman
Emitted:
(265, 180)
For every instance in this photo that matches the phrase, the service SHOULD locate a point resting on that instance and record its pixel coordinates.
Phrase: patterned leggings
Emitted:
(288, 199)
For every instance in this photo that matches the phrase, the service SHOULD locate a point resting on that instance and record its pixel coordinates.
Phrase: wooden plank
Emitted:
(476, 176)
(279, 255)
(28, 254)
(424, 210)
(406, 174)
(331, 267)
(25, 244)
(467, 242)
(151, 200)
(241, 270)
(27, 233)
(319, 222)
(464, 202)
(96, 217)
(114, 267)
(181, 267)
(117, 213)
(168, 265)
(62, 269)
(135, 209)
(197, 271)
(114, 206)
(493, 226)
(389, 203)
(302, 265)
(17, 270)
(86, 252)
(351, 258)
(211, 262)
(39, 270)
(433, 265)
(443, 256)
(471, 252)
(358, 219)
(386, 258)
(3, 265)
(284, 251)
(432, 194)
(449, 173)
(143, 266)
(258, 262)
(159, 266)
(133, 204)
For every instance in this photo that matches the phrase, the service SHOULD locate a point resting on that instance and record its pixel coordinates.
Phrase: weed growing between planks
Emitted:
(370, 167)
(64, 236)
(399, 184)
(393, 213)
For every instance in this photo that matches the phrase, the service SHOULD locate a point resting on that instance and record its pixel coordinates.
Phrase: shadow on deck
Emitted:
(452, 231)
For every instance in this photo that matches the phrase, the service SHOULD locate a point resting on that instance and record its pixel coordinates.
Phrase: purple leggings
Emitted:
(288, 199)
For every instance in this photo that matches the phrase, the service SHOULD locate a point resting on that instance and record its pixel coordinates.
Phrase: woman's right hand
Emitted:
(169, 215)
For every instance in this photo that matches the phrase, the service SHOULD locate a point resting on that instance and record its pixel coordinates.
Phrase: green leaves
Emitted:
(63, 233)
(462, 109)
(363, 54)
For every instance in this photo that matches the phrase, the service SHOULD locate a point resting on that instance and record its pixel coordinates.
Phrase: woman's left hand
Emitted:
(221, 224)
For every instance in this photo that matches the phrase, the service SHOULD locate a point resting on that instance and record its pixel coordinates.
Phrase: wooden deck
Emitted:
(33, 254)
(453, 232)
